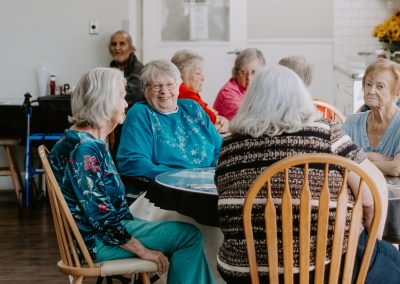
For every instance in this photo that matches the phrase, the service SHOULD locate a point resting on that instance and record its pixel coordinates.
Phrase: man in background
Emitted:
(123, 54)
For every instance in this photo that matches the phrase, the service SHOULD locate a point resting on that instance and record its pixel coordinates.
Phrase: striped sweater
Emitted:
(242, 159)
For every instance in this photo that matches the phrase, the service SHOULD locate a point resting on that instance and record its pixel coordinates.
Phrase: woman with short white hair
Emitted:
(277, 120)
(165, 133)
(191, 66)
(95, 194)
(301, 66)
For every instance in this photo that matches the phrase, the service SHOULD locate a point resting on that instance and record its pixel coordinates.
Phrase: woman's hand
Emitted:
(387, 165)
(158, 257)
(222, 124)
(141, 251)
(373, 156)
(213, 110)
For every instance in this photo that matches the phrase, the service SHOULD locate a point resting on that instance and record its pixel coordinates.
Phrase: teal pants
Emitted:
(181, 242)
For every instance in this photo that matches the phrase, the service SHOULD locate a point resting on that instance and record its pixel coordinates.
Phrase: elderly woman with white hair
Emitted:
(276, 120)
(231, 95)
(305, 70)
(191, 66)
(165, 133)
(95, 194)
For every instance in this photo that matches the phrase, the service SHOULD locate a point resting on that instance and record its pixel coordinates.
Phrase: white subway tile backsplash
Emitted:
(350, 14)
(368, 14)
(373, 22)
(354, 21)
(358, 22)
(366, 30)
(343, 22)
(337, 32)
(351, 49)
(383, 14)
(376, 4)
(347, 32)
(357, 5)
(343, 40)
(342, 4)
(357, 40)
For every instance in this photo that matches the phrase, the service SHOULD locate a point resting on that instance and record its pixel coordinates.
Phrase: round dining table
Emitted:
(191, 192)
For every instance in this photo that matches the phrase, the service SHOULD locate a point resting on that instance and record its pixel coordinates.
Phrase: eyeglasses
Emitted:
(157, 86)
(246, 73)
(369, 86)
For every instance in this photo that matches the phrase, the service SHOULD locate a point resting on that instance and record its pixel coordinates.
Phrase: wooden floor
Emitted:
(28, 245)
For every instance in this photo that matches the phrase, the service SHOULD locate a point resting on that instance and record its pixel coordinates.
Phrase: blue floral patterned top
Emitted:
(92, 188)
(153, 142)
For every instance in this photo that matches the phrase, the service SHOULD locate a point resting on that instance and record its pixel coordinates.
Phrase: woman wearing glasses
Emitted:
(231, 95)
(163, 133)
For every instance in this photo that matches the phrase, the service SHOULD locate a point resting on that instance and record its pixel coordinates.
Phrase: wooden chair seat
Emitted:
(126, 266)
(69, 239)
(9, 142)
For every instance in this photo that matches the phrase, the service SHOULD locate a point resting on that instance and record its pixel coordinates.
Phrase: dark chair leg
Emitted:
(124, 280)
(109, 279)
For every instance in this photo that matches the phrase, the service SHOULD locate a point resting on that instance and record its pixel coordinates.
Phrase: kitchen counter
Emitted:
(356, 74)
(349, 95)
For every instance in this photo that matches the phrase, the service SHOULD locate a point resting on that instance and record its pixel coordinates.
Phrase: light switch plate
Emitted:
(94, 27)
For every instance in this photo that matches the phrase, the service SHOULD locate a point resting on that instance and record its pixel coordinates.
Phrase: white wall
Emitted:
(317, 51)
(56, 33)
(286, 27)
(290, 19)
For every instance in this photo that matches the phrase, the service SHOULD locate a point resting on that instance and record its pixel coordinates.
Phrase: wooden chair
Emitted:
(263, 181)
(69, 239)
(111, 140)
(12, 167)
(329, 111)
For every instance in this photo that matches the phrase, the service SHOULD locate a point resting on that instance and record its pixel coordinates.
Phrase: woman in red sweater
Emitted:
(190, 65)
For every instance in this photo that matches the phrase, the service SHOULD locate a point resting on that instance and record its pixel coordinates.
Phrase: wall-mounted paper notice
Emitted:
(198, 16)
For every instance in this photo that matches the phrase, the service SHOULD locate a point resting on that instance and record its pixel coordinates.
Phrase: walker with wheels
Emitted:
(43, 133)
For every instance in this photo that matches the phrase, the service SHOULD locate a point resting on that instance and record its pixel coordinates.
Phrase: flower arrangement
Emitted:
(389, 30)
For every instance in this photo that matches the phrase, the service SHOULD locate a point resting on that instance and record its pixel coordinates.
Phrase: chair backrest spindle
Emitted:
(338, 236)
(287, 231)
(305, 228)
(271, 234)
